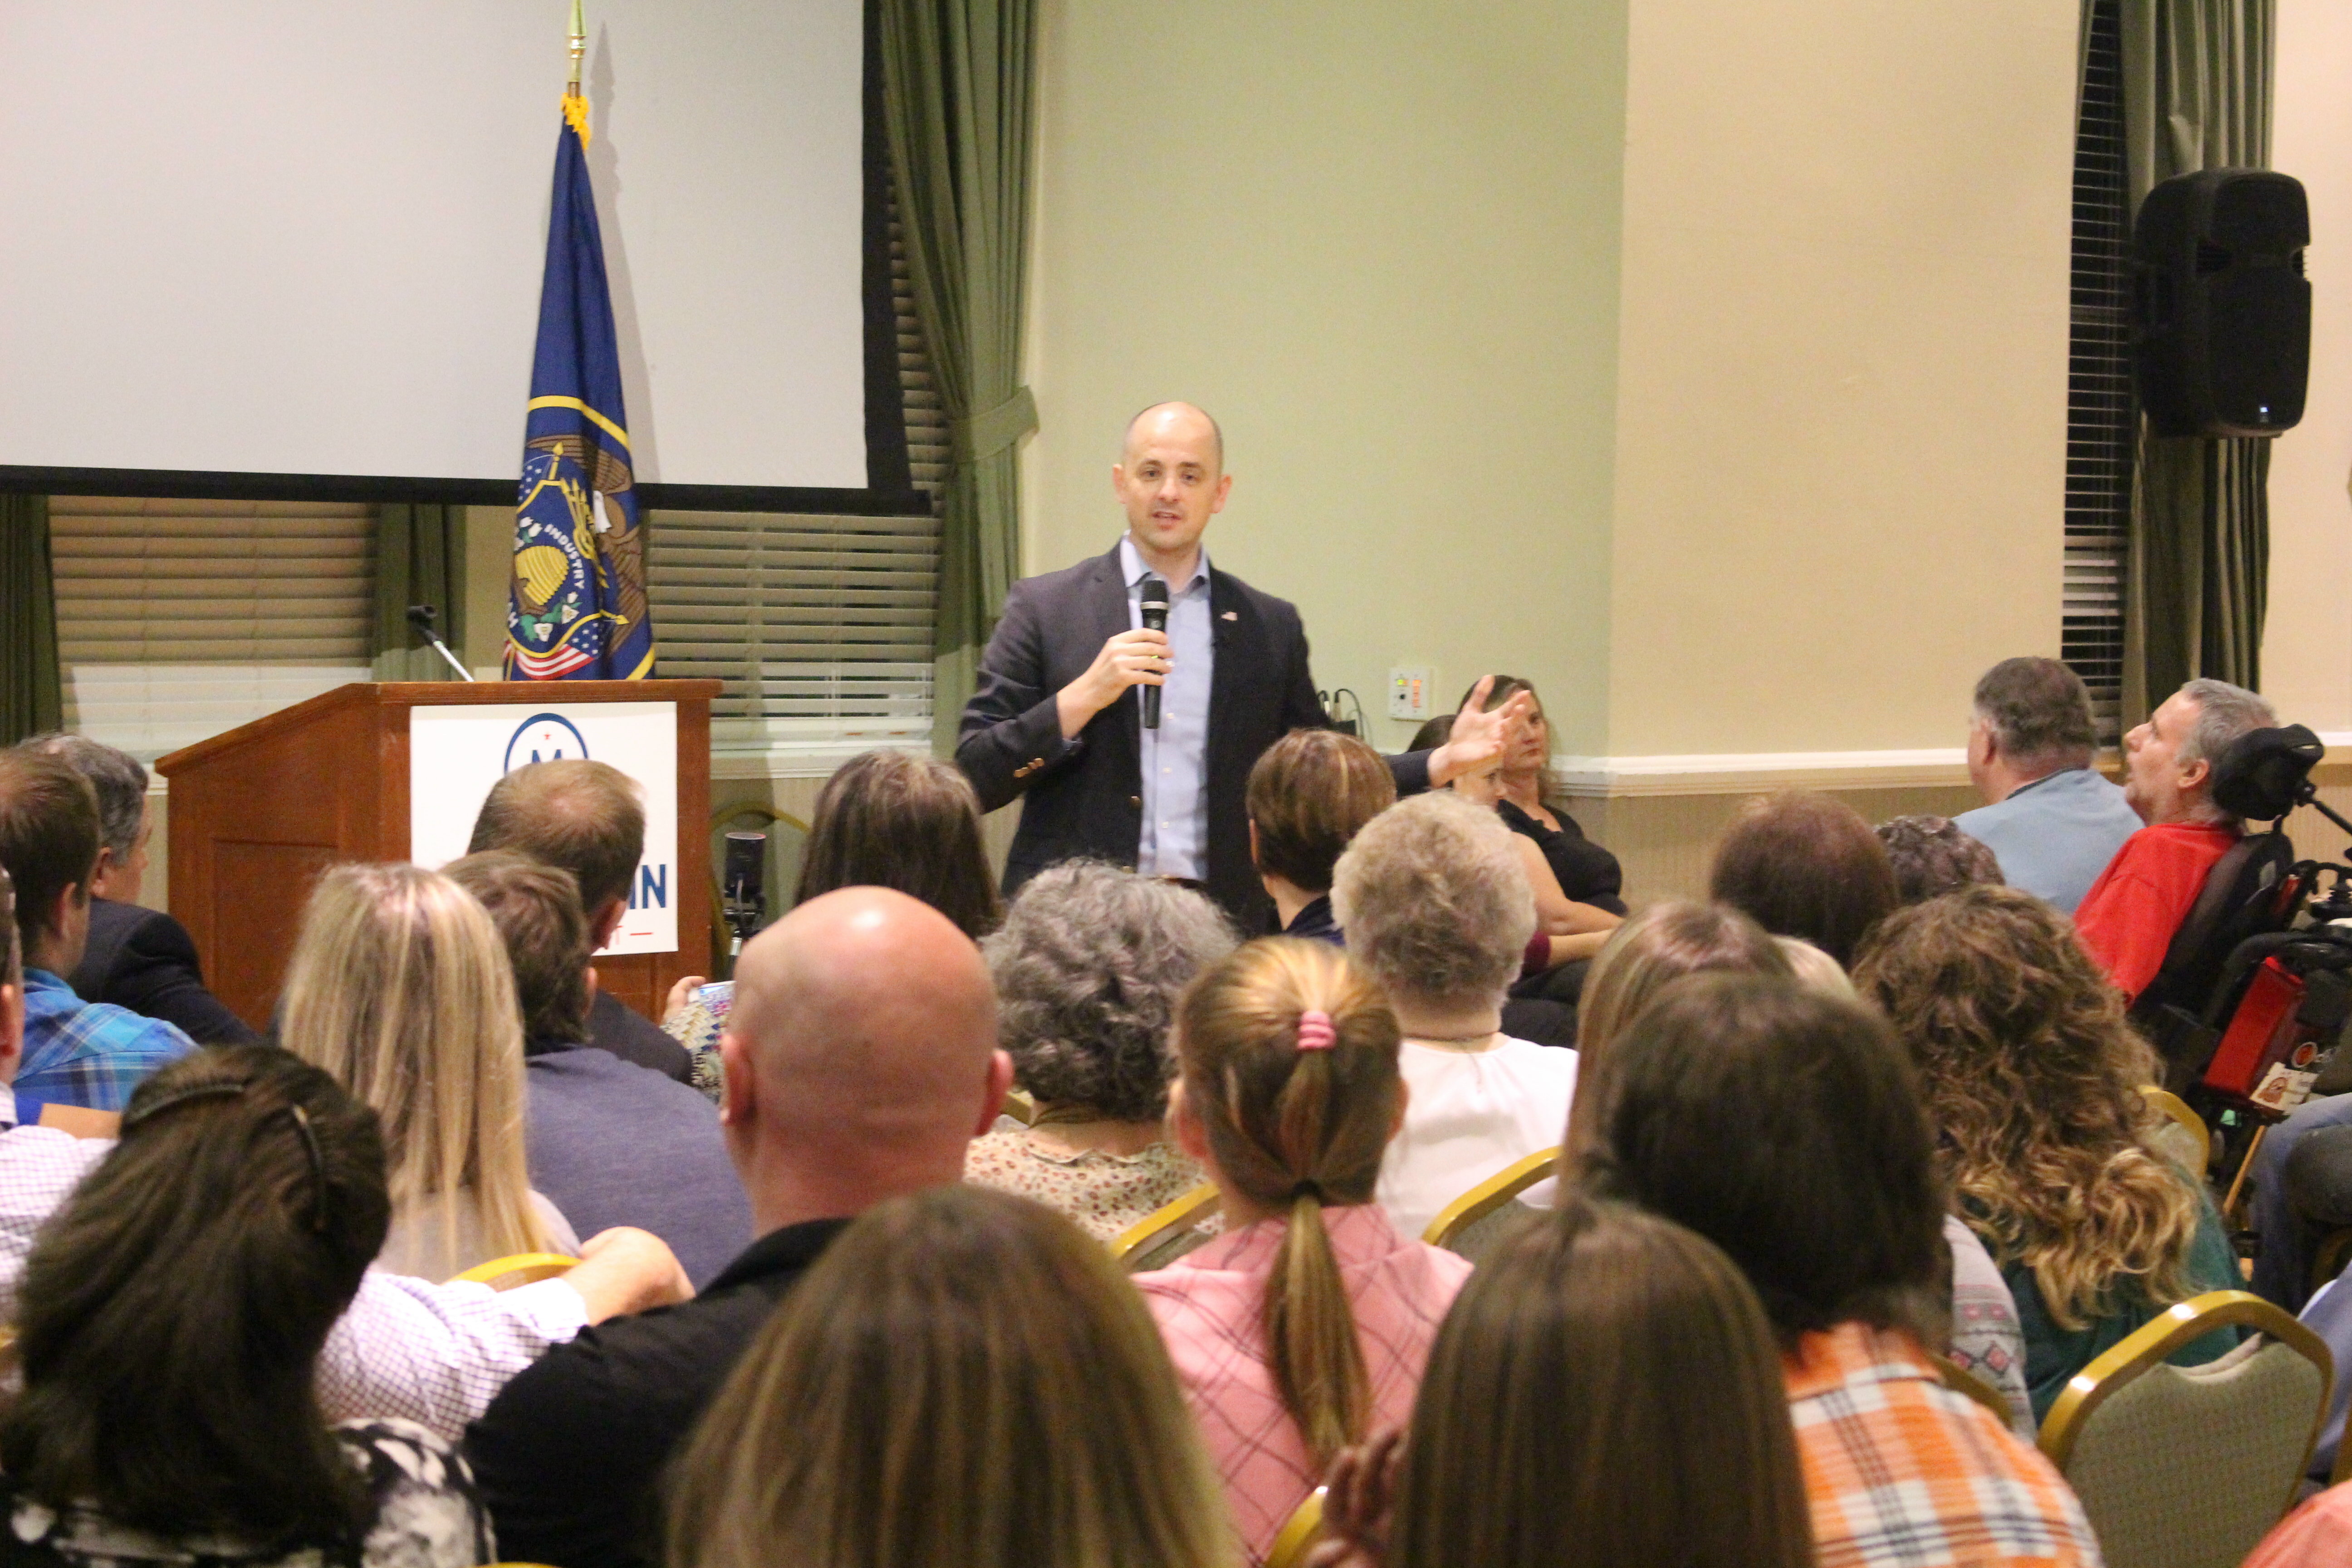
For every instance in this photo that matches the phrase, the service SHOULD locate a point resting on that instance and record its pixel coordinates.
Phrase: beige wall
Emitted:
(2307, 640)
(1380, 242)
(1841, 448)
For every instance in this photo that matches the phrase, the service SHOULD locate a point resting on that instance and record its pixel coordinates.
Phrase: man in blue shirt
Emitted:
(76, 1053)
(2053, 822)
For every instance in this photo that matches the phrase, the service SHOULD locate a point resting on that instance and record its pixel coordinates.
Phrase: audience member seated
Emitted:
(1088, 966)
(861, 1060)
(2316, 1535)
(2301, 1194)
(1306, 1324)
(1435, 905)
(399, 986)
(135, 957)
(169, 1325)
(589, 819)
(2032, 1080)
(962, 1378)
(2128, 918)
(1670, 939)
(1783, 1127)
(406, 1349)
(1932, 857)
(610, 1142)
(2052, 821)
(884, 819)
(1606, 1391)
(1530, 802)
(1805, 864)
(77, 1052)
(1309, 794)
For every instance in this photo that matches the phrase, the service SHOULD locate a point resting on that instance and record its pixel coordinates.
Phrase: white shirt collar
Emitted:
(1131, 565)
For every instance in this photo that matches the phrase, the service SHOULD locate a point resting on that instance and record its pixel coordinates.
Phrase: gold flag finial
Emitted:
(576, 106)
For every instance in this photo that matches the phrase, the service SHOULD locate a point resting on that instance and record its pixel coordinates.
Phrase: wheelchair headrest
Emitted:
(2265, 774)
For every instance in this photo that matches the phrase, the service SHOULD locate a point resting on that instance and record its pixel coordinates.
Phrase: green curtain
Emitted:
(958, 89)
(2197, 95)
(32, 698)
(420, 559)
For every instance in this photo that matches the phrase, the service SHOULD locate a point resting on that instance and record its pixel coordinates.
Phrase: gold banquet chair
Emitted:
(515, 1271)
(2189, 1467)
(1167, 1233)
(1474, 1224)
(2177, 1133)
(1963, 1382)
(1300, 1531)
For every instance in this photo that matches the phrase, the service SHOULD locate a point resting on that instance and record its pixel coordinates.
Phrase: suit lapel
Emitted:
(1106, 593)
(1239, 641)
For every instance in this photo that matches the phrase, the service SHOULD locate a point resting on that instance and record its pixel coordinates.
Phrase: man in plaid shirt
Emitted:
(1784, 1127)
(76, 1053)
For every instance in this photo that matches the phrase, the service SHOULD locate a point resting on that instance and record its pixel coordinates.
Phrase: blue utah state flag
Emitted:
(576, 607)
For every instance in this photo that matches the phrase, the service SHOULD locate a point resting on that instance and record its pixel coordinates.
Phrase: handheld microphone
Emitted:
(1154, 598)
(745, 884)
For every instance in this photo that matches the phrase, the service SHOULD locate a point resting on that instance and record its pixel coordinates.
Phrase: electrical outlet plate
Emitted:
(1408, 691)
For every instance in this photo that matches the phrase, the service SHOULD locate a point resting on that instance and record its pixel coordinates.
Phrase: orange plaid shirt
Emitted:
(1903, 1473)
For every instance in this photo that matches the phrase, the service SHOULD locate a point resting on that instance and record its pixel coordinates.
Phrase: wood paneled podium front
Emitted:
(257, 813)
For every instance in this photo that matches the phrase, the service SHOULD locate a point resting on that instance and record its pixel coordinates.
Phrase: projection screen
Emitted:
(306, 237)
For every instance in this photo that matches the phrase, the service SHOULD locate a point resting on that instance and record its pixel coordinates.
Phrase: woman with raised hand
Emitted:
(400, 986)
(169, 1324)
(1088, 965)
(1306, 1324)
(963, 1380)
(1605, 1391)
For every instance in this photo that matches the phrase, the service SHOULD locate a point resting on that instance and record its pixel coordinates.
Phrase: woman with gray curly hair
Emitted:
(1088, 966)
(1437, 905)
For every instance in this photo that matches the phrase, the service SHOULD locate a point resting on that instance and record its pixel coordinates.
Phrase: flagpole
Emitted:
(579, 48)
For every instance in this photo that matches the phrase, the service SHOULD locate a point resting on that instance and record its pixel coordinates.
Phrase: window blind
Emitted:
(2100, 411)
(179, 619)
(819, 626)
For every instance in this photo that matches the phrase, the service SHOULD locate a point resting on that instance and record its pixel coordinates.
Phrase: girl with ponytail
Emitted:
(1306, 1323)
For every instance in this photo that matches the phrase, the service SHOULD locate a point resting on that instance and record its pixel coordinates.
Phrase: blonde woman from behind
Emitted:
(1309, 1321)
(400, 987)
(964, 1380)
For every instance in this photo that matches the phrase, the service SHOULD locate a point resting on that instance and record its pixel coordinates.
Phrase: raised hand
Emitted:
(1481, 739)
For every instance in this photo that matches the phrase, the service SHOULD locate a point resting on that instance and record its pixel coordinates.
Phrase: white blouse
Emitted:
(1470, 1114)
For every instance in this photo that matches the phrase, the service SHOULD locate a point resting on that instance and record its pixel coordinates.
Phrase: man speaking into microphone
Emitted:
(1159, 784)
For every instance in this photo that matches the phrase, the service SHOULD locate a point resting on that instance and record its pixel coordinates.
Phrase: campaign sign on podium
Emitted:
(456, 754)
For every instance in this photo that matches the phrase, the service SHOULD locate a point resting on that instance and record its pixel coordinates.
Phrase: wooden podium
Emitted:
(258, 812)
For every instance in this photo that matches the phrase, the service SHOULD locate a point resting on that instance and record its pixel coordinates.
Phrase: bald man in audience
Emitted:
(860, 1061)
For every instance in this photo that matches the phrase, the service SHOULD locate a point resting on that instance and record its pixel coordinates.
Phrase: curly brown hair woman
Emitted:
(2032, 1079)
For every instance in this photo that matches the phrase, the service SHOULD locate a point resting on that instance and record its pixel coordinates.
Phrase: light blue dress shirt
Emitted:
(2055, 835)
(1174, 842)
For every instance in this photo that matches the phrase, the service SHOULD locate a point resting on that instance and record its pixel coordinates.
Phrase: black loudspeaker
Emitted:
(2222, 311)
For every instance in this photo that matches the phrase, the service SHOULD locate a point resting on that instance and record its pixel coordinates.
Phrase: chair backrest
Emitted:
(1020, 1106)
(2249, 892)
(1300, 1531)
(1960, 1380)
(1487, 1215)
(2179, 1134)
(2189, 1467)
(1168, 1232)
(520, 1269)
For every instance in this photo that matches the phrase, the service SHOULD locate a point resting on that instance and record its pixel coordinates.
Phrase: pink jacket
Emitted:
(1208, 1308)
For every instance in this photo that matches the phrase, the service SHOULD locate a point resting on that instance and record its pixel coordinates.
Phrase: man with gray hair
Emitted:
(2128, 919)
(2051, 819)
(136, 958)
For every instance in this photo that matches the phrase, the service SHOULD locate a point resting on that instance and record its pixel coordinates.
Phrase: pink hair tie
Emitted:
(1314, 1031)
